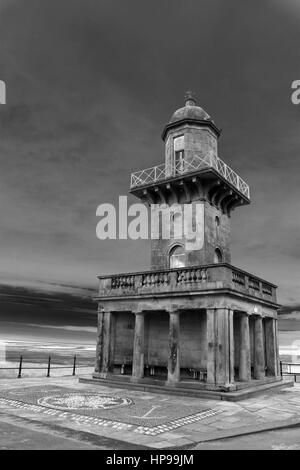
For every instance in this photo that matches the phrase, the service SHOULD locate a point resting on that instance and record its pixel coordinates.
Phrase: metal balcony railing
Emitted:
(163, 172)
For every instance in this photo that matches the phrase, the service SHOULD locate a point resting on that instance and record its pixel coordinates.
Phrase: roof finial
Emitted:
(190, 98)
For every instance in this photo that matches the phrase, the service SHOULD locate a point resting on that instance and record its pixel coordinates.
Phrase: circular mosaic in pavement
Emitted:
(83, 401)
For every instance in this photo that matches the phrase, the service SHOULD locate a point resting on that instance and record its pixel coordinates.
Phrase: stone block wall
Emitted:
(193, 339)
(210, 237)
(157, 339)
(124, 335)
(216, 237)
(197, 141)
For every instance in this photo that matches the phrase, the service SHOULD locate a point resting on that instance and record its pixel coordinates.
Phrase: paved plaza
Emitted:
(102, 417)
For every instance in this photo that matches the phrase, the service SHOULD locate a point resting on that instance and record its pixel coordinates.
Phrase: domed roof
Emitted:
(189, 111)
(191, 114)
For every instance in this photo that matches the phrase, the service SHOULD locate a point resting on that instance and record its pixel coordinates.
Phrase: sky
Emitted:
(30, 315)
(91, 85)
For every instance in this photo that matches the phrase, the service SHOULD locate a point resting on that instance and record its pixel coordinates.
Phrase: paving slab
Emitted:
(141, 418)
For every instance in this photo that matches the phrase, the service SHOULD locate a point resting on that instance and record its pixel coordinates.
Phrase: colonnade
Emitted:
(240, 346)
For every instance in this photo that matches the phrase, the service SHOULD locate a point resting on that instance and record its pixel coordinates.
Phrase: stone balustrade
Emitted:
(191, 275)
(253, 283)
(209, 277)
(238, 278)
(155, 279)
(122, 281)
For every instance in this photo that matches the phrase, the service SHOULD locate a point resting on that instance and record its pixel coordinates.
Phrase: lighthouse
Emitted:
(194, 322)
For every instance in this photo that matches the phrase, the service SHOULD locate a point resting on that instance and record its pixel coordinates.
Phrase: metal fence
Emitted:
(286, 368)
(50, 366)
(290, 369)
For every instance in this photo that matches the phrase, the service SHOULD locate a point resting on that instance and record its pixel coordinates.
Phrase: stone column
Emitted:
(259, 359)
(276, 346)
(138, 347)
(245, 359)
(231, 346)
(220, 346)
(174, 339)
(99, 341)
(104, 350)
(271, 347)
(211, 340)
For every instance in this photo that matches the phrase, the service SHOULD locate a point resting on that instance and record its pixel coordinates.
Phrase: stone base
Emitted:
(232, 392)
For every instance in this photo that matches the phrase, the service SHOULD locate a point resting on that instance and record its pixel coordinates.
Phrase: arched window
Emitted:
(217, 225)
(218, 256)
(177, 257)
(179, 154)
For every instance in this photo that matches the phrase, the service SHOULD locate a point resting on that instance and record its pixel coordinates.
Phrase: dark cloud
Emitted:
(90, 85)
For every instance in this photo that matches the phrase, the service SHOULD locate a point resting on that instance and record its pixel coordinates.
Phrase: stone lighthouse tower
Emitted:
(192, 174)
(193, 322)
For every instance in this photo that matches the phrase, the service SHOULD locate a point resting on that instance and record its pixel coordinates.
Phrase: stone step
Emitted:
(192, 392)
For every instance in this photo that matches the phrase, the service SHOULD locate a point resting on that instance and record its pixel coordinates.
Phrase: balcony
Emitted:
(198, 162)
(198, 279)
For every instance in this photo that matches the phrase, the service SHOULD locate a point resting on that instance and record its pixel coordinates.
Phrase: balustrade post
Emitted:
(173, 278)
(138, 283)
